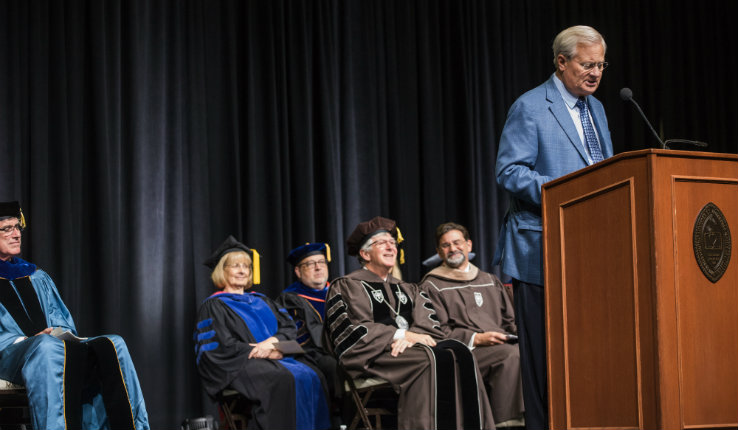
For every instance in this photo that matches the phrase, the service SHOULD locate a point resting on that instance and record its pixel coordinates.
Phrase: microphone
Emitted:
(627, 95)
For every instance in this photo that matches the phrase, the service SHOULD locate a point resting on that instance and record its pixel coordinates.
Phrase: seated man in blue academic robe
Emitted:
(304, 300)
(85, 383)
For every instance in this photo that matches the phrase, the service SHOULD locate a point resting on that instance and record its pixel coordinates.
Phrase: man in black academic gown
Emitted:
(304, 300)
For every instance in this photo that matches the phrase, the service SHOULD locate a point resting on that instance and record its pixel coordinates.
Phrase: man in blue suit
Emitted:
(553, 129)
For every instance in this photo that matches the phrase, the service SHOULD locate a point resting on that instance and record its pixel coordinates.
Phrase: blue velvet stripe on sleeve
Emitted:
(205, 336)
(199, 337)
(206, 347)
(204, 323)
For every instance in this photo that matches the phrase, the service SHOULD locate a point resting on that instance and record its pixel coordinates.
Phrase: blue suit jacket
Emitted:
(539, 143)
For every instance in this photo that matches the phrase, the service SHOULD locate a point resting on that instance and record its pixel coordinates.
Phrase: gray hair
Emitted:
(366, 247)
(566, 42)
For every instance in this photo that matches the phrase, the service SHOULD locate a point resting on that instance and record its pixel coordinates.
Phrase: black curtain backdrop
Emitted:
(139, 134)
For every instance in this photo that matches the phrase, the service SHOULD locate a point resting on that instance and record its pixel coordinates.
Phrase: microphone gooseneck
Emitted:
(627, 95)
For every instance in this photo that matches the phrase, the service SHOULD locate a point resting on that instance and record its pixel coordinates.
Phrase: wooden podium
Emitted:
(638, 337)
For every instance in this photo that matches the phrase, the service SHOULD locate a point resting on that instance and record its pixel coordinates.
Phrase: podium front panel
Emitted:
(707, 321)
(599, 314)
(600, 336)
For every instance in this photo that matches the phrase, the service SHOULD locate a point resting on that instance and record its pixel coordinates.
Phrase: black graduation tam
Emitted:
(232, 245)
(367, 229)
(12, 209)
(301, 252)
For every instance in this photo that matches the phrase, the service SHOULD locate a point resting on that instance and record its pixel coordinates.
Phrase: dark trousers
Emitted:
(530, 318)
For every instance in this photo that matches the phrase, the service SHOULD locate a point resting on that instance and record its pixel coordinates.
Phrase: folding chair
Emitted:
(13, 405)
(230, 403)
(361, 391)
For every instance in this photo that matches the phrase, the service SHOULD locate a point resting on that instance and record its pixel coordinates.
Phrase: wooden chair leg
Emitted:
(228, 414)
(361, 411)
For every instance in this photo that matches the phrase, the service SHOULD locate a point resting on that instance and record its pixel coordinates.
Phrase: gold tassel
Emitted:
(256, 266)
(22, 219)
(399, 235)
(402, 256)
(328, 252)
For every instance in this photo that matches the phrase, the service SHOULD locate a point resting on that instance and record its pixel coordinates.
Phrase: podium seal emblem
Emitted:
(711, 242)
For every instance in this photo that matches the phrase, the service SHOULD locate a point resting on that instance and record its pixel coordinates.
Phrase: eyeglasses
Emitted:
(383, 242)
(8, 230)
(314, 264)
(242, 266)
(602, 65)
(457, 243)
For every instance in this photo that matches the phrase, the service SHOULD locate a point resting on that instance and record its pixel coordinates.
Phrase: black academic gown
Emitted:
(287, 393)
(310, 336)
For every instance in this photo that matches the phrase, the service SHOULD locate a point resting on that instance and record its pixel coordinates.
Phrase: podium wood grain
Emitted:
(637, 336)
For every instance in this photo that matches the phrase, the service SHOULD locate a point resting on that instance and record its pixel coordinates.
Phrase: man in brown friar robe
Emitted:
(473, 307)
(381, 326)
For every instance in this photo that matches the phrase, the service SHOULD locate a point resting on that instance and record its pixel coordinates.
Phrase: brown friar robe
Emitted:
(474, 301)
(361, 321)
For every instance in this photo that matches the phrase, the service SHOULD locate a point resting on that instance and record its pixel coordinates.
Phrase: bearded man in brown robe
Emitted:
(473, 307)
(381, 326)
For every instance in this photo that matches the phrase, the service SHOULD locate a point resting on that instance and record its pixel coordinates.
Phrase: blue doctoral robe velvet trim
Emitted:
(222, 358)
(16, 268)
(38, 363)
(316, 298)
(257, 315)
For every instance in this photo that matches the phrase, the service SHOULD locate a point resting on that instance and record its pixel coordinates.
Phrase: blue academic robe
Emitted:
(38, 362)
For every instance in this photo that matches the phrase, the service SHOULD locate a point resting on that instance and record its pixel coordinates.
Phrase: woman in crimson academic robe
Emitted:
(236, 335)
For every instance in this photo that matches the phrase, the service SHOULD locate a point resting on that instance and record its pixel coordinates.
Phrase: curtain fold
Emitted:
(139, 134)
